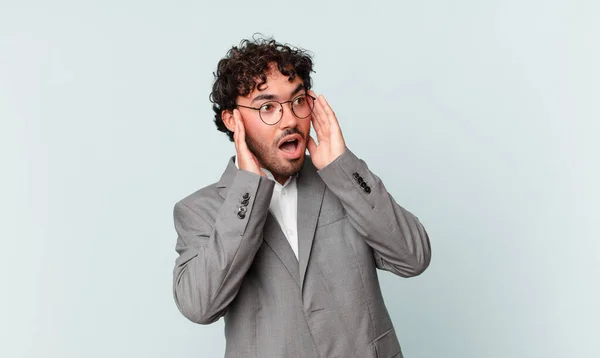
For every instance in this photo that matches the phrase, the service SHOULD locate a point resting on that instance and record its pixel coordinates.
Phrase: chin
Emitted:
(287, 167)
(294, 165)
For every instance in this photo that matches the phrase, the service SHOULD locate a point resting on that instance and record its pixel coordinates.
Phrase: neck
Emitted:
(280, 179)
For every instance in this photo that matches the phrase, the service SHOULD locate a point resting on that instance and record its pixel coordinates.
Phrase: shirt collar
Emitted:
(270, 176)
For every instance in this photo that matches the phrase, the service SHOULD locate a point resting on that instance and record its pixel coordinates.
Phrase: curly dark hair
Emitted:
(245, 68)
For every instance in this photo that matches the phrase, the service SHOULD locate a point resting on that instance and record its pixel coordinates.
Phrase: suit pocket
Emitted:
(330, 220)
(387, 346)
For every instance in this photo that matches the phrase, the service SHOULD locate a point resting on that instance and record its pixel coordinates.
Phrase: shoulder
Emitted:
(204, 199)
(209, 197)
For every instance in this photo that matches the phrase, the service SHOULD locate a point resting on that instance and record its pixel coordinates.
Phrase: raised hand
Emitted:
(329, 135)
(245, 159)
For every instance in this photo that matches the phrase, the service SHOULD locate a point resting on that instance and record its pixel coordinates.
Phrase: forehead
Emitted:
(276, 83)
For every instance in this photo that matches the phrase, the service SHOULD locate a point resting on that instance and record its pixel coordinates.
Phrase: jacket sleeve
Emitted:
(399, 241)
(217, 244)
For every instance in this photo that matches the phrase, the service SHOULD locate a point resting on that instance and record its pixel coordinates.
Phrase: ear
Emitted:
(228, 120)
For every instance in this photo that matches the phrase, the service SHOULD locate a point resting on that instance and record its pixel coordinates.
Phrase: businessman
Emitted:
(286, 246)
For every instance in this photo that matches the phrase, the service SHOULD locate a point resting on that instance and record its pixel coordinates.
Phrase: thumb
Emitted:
(311, 145)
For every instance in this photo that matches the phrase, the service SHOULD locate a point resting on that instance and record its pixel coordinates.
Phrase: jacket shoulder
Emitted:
(202, 199)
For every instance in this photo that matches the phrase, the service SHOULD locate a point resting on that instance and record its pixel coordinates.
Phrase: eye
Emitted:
(299, 101)
(267, 108)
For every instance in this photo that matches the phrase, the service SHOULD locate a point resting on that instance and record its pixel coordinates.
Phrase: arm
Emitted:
(216, 246)
(400, 243)
(216, 249)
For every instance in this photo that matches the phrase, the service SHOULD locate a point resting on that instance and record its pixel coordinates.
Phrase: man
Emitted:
(285, 246)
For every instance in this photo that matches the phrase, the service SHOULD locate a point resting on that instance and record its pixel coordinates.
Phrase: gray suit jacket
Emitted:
(234, 261)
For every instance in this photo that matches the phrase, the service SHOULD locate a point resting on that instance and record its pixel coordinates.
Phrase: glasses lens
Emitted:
(270, 112)
(302, 106)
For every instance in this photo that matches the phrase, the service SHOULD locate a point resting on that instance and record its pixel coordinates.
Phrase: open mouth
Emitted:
(291, 146)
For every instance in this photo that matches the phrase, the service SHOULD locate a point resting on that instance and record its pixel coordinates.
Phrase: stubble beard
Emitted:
(268, 158)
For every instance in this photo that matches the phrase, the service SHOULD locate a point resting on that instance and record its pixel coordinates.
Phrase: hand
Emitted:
(331, 142)
(245, 159)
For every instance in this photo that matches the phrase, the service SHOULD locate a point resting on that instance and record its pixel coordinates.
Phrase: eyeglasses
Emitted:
(271, 112)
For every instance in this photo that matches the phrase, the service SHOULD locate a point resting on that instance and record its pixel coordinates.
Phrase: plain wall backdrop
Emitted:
(481, 117)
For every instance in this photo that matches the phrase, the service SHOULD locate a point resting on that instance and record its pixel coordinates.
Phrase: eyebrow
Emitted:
(266, 96)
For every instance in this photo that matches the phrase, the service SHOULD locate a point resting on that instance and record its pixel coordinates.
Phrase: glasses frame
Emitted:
(281, 105)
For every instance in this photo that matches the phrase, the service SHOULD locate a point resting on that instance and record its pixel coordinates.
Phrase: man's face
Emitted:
(279, 148)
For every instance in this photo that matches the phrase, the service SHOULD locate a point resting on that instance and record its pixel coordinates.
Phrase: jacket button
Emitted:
(246, 196)
(363, 185)
(360, 180)
(355, 175)
(241, 212)
(368, 190)
(245, 202)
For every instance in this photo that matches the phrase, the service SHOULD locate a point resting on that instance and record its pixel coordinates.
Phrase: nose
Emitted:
(288, 118)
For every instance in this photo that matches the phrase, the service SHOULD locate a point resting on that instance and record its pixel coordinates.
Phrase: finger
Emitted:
(316, 123)
(236, 132)
(319, 114)
(240, 128)
(240, 140)
(311, 145)
(326, 107)
(327, 112)
(318, 129)
(332, 113)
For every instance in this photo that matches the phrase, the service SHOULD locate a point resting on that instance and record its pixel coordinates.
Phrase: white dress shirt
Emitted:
(284, 207)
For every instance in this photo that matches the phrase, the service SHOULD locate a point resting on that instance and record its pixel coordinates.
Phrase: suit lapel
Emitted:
(274, 237)
(310, 198)
(272, 233)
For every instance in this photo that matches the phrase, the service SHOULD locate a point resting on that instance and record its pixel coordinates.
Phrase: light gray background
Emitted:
(481, 117)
